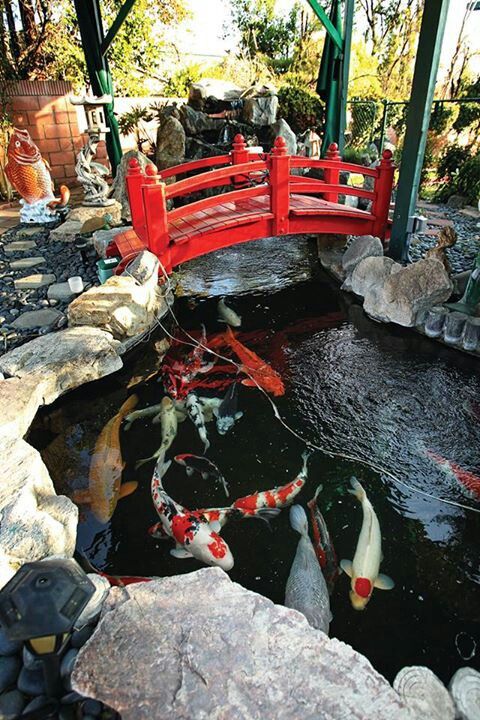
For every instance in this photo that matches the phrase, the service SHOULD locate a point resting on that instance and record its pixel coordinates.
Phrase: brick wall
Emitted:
(42, 107)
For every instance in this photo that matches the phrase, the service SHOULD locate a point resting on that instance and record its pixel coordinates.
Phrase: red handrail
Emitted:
(194, 165)
(212, 177)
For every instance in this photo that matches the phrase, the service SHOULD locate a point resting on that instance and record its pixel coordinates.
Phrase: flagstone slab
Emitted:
(19, 246)
(29, 262)
(36, 318)
(31, 282)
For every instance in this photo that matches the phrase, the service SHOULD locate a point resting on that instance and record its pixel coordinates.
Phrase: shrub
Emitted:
(179, 83)
(451, 161)
(468, 179)
(302, 109)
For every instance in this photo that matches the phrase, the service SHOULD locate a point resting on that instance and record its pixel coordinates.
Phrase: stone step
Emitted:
(31, 282)
(28, 231)
(60, 291)
(28, 262)
(36, 318)
(19, 246)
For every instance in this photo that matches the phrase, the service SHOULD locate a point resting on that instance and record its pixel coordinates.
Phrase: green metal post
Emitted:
(347, 42)
(418, 118)
(327, 23)
(116, 25)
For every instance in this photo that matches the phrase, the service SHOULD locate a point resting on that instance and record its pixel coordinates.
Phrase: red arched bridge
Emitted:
(266, 197)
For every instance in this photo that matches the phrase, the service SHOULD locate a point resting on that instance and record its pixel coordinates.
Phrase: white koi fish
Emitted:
(227, 315)
(364, 570)
(306, 589)
(195, 413)
(169, 423)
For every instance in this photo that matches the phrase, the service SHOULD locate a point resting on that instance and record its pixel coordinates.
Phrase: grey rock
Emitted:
(11, 705)
(94, 606)
(37, 318)
(220, 89)
(19, 402)
(70, 698)
(372, 271)
(9, 647)
(68, 661)
(19, 246)
(465, 690)
(282, 129)
(228, 653)
(119, 189)
(458, 202)
(66, 232)
(31, 661)
(409, 293)
(76, 356)
(92, 707)
(25, 263)
(31, 682)
(144, 269)
(9, 669)
(83, 213)
(195, 122)
(424, 694)
(59, 291)
(43, 303)
(34, 281)
(471, 334)
(361, 247)
(103, 238)
(14, 312)
(260, 111)
(28, 231)
(35, 704)
(80, 637)
(170, 145)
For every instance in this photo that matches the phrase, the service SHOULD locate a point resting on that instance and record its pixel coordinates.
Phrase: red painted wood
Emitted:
(265, 200)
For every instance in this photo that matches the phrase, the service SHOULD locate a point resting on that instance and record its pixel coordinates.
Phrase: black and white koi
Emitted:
(226, 413)
(195, 413)
(204, 466)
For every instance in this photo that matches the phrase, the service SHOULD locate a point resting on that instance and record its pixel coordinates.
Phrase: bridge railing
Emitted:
(250, 175)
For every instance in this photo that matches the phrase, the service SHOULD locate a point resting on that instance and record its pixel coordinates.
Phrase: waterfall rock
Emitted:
(370, 272)
(261, 110)
(361, 247)
(200, 646)
(20, 399)
(120, 306)
(35, 523)
(408, 293)
(65, 360)
(195, 122)
(220, 89)
(118, 190)
(103, 238)
(170, 146)
(282, 129)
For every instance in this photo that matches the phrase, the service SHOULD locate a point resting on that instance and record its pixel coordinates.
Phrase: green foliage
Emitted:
(354, 155)
(263, 30)
(443, 117)
(451, 161)
(468, 179)
(363, 117)
(301, 108)
(178, 83)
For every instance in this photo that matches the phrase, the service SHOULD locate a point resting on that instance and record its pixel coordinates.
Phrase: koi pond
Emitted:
(396, 410)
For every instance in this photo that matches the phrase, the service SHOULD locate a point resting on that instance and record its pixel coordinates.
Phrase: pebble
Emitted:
(14, 312)
(9, 669)
(36, 703)
(30, 661)
(67, 713)
(31, 682)
(92, 707)
(70, 698)
(80, 637)
(68, 661)
(11, 705)
(9, 647)
(94, 606)
(89, 717)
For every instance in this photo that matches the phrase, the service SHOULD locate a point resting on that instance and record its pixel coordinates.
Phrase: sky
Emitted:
(204, 32)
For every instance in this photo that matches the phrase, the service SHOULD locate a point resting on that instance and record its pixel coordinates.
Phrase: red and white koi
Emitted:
(322, 543)
(278, 497)
(364, 570)
(194, 537)
(468, 480)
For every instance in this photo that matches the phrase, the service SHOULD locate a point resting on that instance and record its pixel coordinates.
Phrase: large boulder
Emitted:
(83, 213)
(170, 146)
(409, 293)
(20, 399)
(35, 523)
(118, 190)
(195, 122)
(219, 89)
(361, 247)
(282, 129)
(64, 360)
(120, 306)
(200, 646)
(371, 272)
(260, 111)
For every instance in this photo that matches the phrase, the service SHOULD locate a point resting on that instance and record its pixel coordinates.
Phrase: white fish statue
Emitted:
(306, 589)
(227, 315)
(364, 570)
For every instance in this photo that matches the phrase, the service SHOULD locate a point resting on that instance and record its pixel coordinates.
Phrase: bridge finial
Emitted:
(332, 152)
(387, 157)
(280, 146)
(239, 142)
(133, 167)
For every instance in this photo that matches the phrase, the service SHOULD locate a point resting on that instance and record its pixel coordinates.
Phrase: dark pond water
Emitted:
(375, 394)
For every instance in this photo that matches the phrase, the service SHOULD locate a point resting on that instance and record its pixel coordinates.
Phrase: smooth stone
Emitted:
(67, 713)
(68, 661)
(80, 637)
(70, 698)
(144, 269)
(19, 246)
(11, 705)
(9, 647)
(34, 281)
(361, 247)
(14, 312)
(30, 661)
(66, 232)
(28, 231)
(94, 606)
(25, 263)
(92, 707)
(9, 669)
(60, 291)
(83, 213)
(37, 318)
(35, 704)
(31, 682)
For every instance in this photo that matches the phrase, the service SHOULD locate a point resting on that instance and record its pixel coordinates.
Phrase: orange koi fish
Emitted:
(28, 172)
(469, 480)
(261, 372)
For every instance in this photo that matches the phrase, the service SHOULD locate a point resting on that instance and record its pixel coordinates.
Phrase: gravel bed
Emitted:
(462, 256)
(61, 259)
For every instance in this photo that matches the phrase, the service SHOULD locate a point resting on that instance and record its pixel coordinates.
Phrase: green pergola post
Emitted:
(418, 120)
(347, 44)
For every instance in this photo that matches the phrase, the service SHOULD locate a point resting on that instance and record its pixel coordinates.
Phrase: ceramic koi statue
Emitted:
(29, 174)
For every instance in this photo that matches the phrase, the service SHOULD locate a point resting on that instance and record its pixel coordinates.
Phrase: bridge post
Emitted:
(239, 154)
(332, 174)
(156, 218)
(383, 194)
(280, 187)
(134, 179)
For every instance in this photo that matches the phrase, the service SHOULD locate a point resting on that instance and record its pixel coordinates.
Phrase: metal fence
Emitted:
(384, 121)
